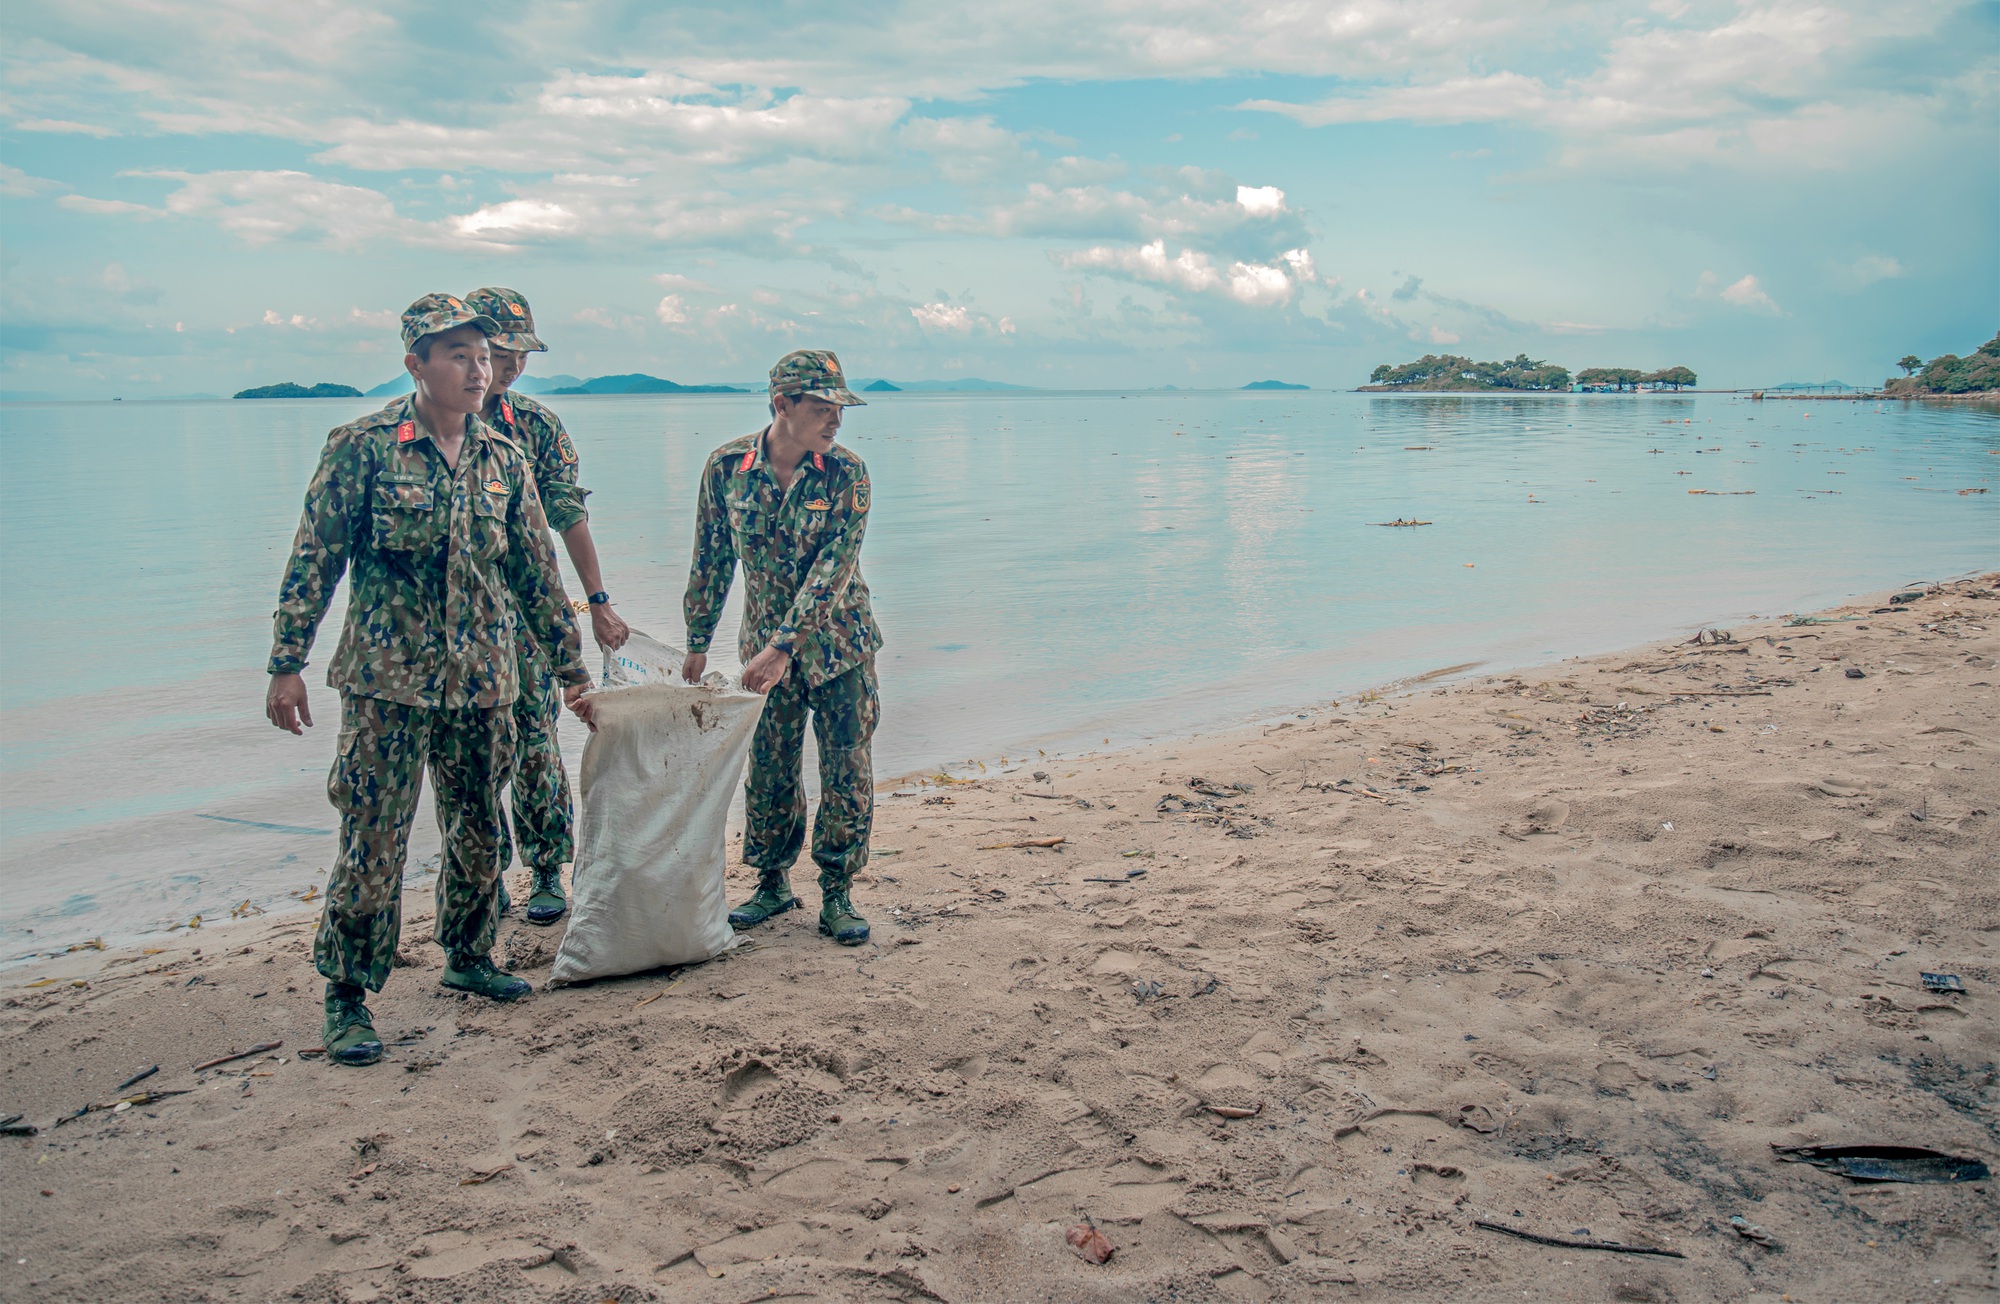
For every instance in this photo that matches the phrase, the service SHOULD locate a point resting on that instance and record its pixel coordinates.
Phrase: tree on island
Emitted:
(1952, 374)
(1451, 372)
(1619, 379)
(1910, 362)
(1674, 378)
(291, 389)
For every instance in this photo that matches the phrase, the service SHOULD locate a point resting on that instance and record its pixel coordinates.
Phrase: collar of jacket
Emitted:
(409, 429)
(750, 458)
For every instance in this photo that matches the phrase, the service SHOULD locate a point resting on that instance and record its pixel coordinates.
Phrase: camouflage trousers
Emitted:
(378, 771)
(541, 801)
(844, 711)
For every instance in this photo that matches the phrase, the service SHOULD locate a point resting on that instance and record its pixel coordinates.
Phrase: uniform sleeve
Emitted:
(335, 516)
(714, 562)
(530, 568)
(839, 558)
(555, 476)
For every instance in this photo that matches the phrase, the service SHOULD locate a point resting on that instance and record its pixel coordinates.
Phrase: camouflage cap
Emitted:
(510, 309)
(812, 373)
(441, 312)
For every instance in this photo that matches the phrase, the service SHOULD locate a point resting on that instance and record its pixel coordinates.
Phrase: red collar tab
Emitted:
(406, 433)
(507, 411)
(819, 463)
(749, 460)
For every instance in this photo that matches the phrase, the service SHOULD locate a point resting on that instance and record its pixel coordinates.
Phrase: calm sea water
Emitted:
(1052, 571)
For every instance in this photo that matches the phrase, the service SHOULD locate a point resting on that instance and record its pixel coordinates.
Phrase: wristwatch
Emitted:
(600, 598)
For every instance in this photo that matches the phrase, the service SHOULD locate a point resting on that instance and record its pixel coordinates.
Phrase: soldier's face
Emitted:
(508, 364)
(815, 422)
(458, 371)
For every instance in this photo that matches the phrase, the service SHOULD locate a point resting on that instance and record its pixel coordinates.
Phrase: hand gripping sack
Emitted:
(658, 777)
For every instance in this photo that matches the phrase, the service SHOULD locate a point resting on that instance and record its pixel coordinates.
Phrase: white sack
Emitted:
(658, 777)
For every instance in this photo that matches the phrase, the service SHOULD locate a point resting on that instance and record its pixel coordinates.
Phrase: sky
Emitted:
(199, 197)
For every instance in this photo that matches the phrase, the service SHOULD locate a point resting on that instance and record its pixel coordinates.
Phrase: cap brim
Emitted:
(843, 396)
(519, 342)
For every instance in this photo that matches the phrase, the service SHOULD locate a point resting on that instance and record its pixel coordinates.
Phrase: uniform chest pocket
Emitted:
(405, 515)
(748, 518)
(489, 523)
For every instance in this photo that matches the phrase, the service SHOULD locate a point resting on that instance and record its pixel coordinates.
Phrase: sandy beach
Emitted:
(1286, 1014)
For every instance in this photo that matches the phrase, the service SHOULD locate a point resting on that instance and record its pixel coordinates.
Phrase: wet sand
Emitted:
(1568, 951)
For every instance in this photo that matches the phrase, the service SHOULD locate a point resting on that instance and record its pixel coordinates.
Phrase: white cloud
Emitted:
(1195, 272)
(262, 207)
(16, 184)
(672, 310)
(63, 127)
(517, 219)
(1778, 81)
(375, 319)
(1746, 292)
(297, 321)
(1260, 200)
(943, 317)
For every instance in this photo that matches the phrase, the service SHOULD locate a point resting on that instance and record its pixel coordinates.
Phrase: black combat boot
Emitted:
(349, 1034)
(838, 918)
(476, 974)
(772, 897)
(545, 899)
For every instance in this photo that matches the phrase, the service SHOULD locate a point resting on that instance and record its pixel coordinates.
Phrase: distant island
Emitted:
(881, 387)
(1520, 374)
(639, 383)
(289, 390)
(1949, 374)
(1276, 384)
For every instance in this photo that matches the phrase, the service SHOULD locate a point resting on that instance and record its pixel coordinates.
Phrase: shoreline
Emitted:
(1001, 761)
(1581, 941)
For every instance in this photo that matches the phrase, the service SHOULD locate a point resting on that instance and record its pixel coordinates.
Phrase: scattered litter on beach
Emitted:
(137, 1078)
(258, 1049)
(1089, 1242)
(1566, 1243)
(1024, 843)
(1750, 1231)
(1943, 982)
(1880, 1163)
(121, 1105)
(15, 1125)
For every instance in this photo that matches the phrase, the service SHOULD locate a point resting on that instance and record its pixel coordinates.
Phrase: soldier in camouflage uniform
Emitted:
(791, 506)
(541, 800)
(438, 524)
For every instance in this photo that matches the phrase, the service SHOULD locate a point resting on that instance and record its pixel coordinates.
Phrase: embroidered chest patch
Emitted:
(819, 505)
(496, 487)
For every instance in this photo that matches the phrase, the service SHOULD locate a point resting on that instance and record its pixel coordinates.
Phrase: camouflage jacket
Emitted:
(441, 560)
(801, 552)
(551, 456)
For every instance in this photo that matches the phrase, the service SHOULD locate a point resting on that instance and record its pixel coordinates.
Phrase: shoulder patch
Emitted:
(566, 449)
(406, 433)
(861, 496)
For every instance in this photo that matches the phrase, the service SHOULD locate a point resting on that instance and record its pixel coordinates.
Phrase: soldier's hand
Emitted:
(285, 703)
(765, 670)
(576, 698)
(694, 667)
(606, 627)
